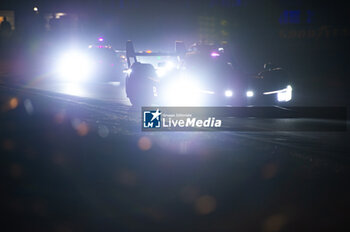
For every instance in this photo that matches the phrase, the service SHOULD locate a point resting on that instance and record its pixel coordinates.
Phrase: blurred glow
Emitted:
(161, 71)
(144, 143)
(127, 71)
(16, 170)
(59, 117)
(127, 177)
(13, 103)
(100, 39)
(82, 129)
(155, 93)
(205, 204)
(28, 106)
(73, 89)
(228, 93)
(114, 83)
(103, 131)
(8, 144)
(149, 51)
(59, 15)
(285, 95)
(207, 92)
(169, 65)
(183, 92)
(35, 9)
(75, 66)
(249, 93)
(215, 54)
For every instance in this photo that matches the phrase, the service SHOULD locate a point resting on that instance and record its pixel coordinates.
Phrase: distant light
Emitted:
(250, 93)
(127, 71)
(75, 66)
(228, 93)
(36, 9)
(215, 54)
(100, 39)
(149, 51)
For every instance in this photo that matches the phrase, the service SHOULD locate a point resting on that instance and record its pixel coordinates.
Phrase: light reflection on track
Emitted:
(114, 91)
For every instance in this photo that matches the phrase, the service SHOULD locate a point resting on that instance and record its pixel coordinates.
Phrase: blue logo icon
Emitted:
(151, 119)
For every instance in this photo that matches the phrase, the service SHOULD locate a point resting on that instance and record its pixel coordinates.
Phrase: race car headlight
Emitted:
(74, 66)
(228, 93)
(183, 92)
(285, 95)
(250, 93)
(168, 66)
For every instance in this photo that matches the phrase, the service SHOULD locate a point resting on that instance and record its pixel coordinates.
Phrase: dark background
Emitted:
(60, 174)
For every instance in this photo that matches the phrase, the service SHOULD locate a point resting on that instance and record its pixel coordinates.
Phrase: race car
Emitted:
(97, 63)
(273, 86)
(200, 76)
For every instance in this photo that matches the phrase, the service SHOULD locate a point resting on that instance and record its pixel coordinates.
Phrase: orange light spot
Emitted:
(59, 118)
(144, 143)
(205, 205)
(16, 171)
(13, 103)
(8, 144)
(127, 178)
(149, 51)
(269, 171)
(58, 158)
(82, 129)
(274, 223)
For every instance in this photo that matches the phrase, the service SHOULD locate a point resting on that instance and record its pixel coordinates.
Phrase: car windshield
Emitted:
(159, 61)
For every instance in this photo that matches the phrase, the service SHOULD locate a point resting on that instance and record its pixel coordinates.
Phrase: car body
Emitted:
(202, 76)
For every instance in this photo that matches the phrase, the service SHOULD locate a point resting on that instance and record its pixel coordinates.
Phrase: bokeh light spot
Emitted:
(58, 158)
(59, 117)
(16, 171)
(189, 194)
(13, 103)
(28, 106)
(103, 131)
(274, 223)
(144, 143)
(127, 177)
(82, 129)
(205, 204)
(269, 171)
(8, 144)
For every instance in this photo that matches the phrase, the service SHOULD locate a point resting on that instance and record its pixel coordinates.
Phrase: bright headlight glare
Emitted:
(249, 93)
(228, 93)
(161, 71)
(285, 95)
(75, 66)
(182, 93)
(127, 71)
